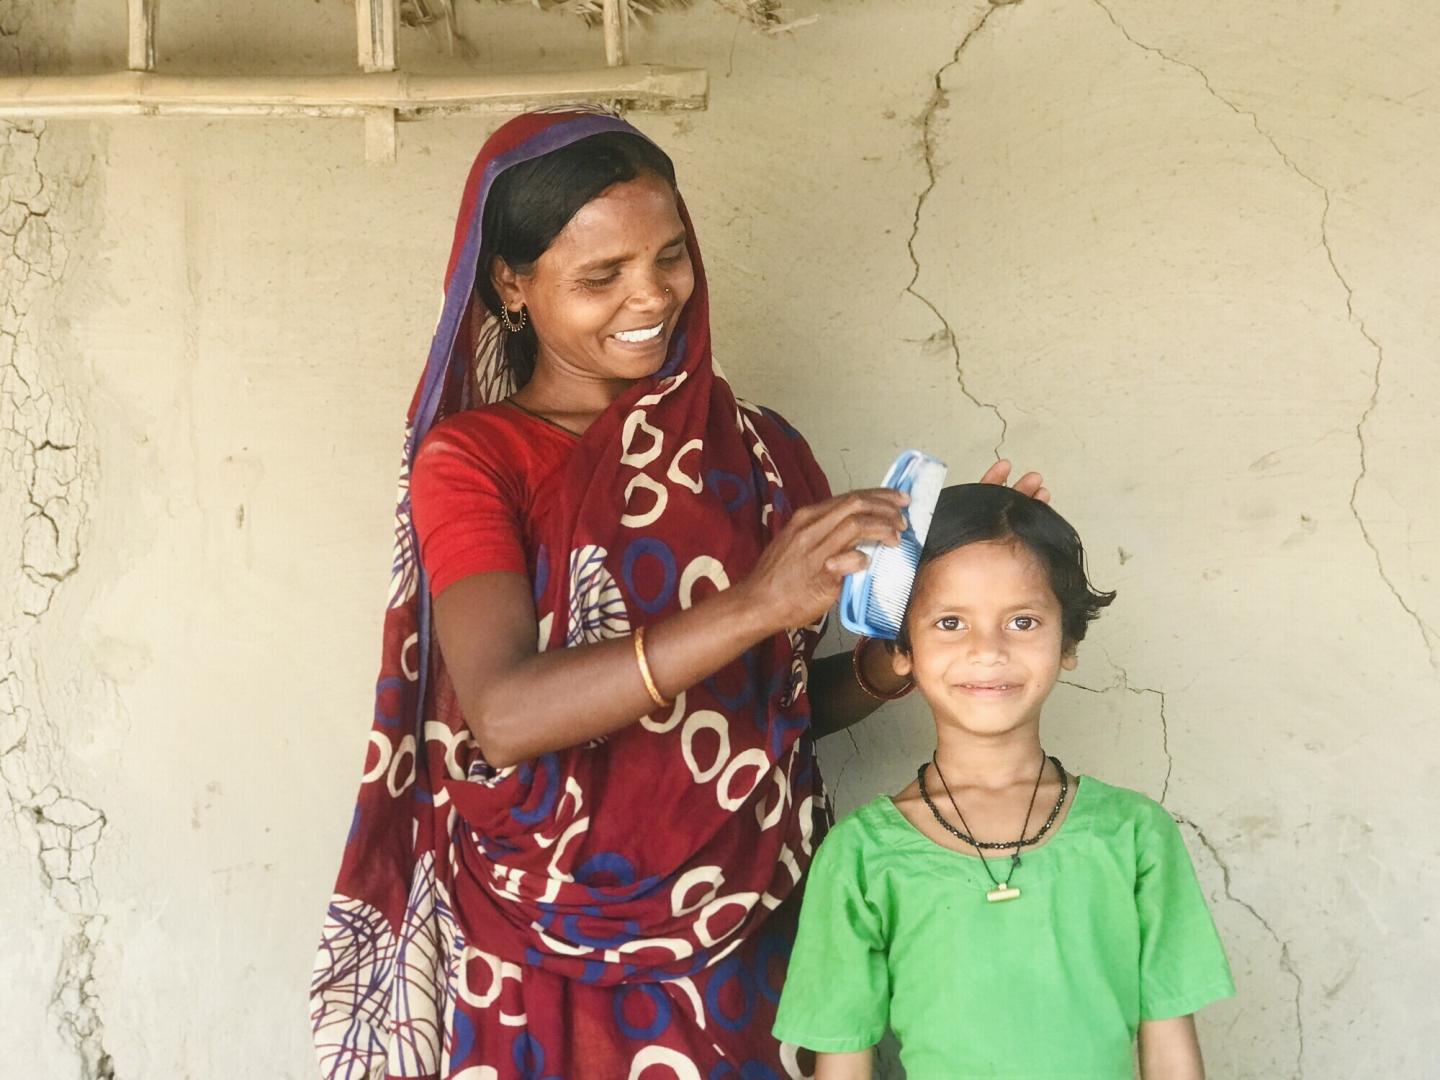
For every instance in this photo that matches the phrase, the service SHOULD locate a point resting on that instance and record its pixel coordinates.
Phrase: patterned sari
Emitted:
(617, 909)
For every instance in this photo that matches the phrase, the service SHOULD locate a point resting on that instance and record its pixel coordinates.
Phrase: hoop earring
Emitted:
(513, 327)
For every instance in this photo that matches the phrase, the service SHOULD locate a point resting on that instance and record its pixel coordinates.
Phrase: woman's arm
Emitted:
(1170, 1050)
(853, 1066)
(836, 700)
(520, 703)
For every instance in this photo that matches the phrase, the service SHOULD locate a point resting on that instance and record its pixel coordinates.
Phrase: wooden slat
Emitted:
(616, 17)
(142, 35)
(411, 96)
(377, 25)
(380, 136)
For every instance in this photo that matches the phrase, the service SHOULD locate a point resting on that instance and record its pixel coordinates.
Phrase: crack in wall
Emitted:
(940, 99)
(1123, 683)
(40, 440)
(35, 431)
(834, 788)
(76, 1003)
(1429, 637)
(1287, 962)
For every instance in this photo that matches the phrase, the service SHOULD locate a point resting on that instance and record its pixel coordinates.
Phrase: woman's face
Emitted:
(604, 298)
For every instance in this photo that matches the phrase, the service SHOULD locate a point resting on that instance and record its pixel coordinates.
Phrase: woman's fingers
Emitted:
(997, 473)
(847, 563)
(858, 529)
(801, 571)
(881, 503)
(1031, 484)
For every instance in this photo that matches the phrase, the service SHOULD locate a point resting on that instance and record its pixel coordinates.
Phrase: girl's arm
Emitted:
(1170, 1050)
(520, 703)
(854, 1066)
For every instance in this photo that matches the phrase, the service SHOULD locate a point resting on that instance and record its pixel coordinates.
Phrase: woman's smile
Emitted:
(639, 337)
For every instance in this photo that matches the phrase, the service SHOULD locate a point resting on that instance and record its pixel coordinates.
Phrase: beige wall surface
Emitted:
(1184, 258)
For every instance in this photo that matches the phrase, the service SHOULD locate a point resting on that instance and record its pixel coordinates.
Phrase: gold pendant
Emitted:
(1003, 891)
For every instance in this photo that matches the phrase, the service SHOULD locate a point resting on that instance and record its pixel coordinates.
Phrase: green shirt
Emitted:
(1110, 928)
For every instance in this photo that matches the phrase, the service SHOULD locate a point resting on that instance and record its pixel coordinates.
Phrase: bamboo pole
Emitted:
(377, 25)
(616, 17)
(411, 96)
(142, 35)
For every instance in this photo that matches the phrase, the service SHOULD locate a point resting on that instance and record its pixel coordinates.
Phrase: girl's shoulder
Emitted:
(1111, 807)
(874, 826)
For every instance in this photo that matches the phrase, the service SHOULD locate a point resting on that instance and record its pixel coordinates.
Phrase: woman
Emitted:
(584, 815)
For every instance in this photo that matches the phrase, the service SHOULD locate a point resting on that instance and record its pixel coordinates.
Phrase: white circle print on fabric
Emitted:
(662, 1063)
(597, 609)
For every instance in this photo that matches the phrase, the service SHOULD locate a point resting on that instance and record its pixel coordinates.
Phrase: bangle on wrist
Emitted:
(857, 664)
(643, 663)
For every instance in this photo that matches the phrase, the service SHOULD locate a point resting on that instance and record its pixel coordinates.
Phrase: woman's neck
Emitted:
(558, 393)
(989, 762)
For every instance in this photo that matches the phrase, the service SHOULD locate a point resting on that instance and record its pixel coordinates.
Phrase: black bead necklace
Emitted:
(1003, 890)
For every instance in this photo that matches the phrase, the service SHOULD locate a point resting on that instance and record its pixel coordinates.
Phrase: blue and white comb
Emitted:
(872, 602)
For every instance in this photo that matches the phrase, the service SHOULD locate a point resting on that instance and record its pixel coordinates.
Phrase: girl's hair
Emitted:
(530, 203)
(972, 513)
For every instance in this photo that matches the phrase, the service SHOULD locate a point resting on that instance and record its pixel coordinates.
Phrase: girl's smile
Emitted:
(986, 638)
(989, 689)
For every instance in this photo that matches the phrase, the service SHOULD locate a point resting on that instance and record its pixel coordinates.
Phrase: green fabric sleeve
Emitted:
(836, 997)
(1182, 963)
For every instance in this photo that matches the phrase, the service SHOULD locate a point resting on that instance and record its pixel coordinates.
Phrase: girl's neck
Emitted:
(989, 762)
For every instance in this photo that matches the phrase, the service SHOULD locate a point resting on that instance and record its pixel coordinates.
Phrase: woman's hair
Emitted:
(530, 203)
(973, 513)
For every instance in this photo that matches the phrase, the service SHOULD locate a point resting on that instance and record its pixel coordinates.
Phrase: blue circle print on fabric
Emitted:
(730, 972)
(739, 488)
(549, 796)
(658, 1001)
(659, 551)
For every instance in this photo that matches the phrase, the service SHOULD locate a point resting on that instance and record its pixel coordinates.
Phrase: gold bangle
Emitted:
(864, 683)
(644, 665)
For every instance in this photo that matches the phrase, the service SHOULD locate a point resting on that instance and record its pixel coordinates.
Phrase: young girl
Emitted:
(1005, 918)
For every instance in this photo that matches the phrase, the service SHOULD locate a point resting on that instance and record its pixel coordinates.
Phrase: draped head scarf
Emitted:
(613, 906)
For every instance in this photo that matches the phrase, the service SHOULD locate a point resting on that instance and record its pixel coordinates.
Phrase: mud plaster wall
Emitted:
(1183, 258)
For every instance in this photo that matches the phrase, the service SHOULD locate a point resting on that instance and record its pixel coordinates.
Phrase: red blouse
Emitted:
(483, 482)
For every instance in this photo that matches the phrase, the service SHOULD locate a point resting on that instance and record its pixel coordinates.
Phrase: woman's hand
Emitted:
(1032, 483)
(799, 575)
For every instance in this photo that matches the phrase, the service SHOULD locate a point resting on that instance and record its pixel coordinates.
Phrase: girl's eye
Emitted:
(597, 283)
(673, 258)
(949, 622)
(1024, 622)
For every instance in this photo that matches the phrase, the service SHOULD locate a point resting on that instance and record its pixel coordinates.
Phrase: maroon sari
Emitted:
(617, 909)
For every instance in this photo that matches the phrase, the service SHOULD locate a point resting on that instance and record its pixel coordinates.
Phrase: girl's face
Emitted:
(986, 646)
(604, 298)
